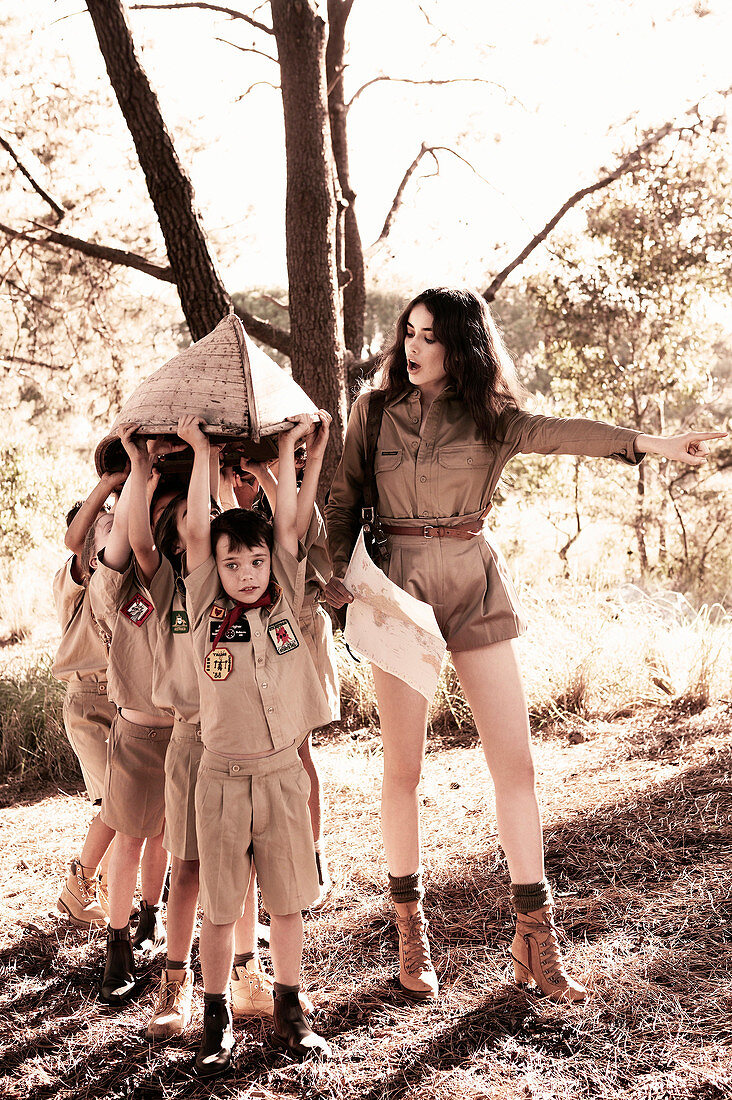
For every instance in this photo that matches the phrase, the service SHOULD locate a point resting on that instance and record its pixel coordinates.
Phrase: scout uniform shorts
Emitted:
(181, 768)
(88, 716)
(254, 809)
(134, 785)
(318, 634)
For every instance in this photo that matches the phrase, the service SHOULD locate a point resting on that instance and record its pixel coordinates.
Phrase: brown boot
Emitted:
(538, 960)
(79, 901)
(416, 973)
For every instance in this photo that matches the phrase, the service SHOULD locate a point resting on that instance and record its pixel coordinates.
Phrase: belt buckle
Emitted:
(427, 531)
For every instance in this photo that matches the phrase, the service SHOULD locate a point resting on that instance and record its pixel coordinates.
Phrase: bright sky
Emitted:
(580, 78)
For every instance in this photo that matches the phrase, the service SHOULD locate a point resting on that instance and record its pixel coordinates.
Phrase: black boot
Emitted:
(214, 1053)
(293, 1032)
(118, 981)
(150, 932)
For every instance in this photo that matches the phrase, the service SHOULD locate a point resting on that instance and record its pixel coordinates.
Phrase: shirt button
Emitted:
(425, 513)
(415, 420)
(423, 478)
(270, 710)
(470, 461)
(235, 767)
(152, 735)
(260, 660)
(264, 685)
(415, 443)
(257, 633)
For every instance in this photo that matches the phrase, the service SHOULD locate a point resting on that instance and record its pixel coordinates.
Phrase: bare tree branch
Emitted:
(408, 80)
(261, 330)
(57, 209)
(30, 362)
(232, 12)
(627, 164)
(91, 248)
(248, 49)
(256, 84)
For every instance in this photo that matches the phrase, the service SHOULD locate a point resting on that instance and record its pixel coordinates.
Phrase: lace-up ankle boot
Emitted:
(79, 901)
(416, 973)
(537, 958)
(172, 1011)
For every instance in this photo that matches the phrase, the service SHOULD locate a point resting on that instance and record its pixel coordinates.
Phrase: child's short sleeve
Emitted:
(67, 594)
(289, 573)
(162, 587)
(202, 589)
(107, 589)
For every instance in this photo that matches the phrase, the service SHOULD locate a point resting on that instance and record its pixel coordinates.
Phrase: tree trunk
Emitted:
(202, 294)
(311, 215)
(354, 294)
(640, 523)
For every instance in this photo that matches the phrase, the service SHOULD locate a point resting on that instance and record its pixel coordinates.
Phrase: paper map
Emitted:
(391, 628)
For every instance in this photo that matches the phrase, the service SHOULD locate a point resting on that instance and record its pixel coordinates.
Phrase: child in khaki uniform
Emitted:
(133, 801)
(81, 661)
(260, 696)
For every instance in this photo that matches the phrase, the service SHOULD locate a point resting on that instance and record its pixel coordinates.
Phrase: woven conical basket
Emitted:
(242, 394)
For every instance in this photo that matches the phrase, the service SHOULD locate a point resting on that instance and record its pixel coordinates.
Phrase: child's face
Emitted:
(244, 573)
(102, 528)
(159, 507)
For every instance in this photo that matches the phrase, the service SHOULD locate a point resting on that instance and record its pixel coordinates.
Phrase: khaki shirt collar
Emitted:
(412, 392)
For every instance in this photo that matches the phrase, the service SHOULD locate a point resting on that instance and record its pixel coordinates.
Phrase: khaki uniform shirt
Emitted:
(319, 567)
(272, 696)
(82, 654)
(127, 616)
(446, 473)
(175, 683)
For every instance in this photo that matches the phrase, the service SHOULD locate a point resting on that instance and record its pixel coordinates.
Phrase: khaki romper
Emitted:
(81, 661)
(133, 802)
(268, 703)
(446, 475)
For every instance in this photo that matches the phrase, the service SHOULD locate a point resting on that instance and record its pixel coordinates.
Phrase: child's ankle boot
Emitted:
(292, 1030)
(79, 900)
(119, 983)
(217, 1043)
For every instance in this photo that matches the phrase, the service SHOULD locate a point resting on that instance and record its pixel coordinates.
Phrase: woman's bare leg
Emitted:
(403, 716)
(492, 683)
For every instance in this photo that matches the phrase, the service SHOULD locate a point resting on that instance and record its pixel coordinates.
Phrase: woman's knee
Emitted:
(403, 776)
(514, 776)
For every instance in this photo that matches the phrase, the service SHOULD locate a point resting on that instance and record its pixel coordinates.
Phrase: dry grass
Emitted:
(639, 844)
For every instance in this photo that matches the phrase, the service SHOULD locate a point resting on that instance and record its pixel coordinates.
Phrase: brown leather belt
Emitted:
(465, 531)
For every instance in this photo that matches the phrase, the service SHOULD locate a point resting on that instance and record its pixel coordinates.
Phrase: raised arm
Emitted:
(309, 488)
(285, 517)
(90, 509)
(198, 541)
(139, 531)
(117, 548)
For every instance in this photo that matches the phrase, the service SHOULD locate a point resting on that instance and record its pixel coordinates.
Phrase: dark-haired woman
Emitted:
(452, 420)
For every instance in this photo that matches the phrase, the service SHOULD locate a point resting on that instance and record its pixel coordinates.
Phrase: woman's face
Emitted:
(425, 355)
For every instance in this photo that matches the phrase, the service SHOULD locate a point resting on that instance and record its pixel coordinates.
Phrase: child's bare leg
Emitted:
(98, 838)
(104, 861)
(181, 911)
(245, 929)
(285, 944)
(216, 947)
(123, 878)
(153, 869)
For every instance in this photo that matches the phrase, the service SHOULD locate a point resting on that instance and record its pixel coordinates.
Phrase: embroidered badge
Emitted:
(179, 622)
(283, 636)
(218, 663)
(218, 612)
(236, 632)
(138, 609)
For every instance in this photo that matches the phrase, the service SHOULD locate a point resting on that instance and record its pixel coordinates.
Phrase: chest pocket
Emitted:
(387, 460)
(467, 457)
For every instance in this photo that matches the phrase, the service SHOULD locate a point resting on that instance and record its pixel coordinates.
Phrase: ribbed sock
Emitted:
(406, 887)
(173, 964)
(531, 896)
(215, 999)
(243, 957)
(281, 990)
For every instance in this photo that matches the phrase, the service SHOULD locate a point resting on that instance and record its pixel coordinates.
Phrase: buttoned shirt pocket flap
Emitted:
(387, 460)
(465, 457)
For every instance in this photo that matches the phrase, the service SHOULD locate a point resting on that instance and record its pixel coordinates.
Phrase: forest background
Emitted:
(315, 165)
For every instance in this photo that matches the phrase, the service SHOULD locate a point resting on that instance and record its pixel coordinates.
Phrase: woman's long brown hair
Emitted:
(476, 361)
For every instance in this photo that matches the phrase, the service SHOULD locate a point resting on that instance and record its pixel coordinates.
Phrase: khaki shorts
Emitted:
(134, 786)
(317, 631)
(181, 768)
(88, 716)
(259, 809)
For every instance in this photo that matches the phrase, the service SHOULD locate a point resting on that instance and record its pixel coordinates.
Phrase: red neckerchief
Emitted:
(234, 614)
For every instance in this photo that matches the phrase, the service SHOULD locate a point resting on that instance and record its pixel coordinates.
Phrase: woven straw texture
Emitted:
(224, 378)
